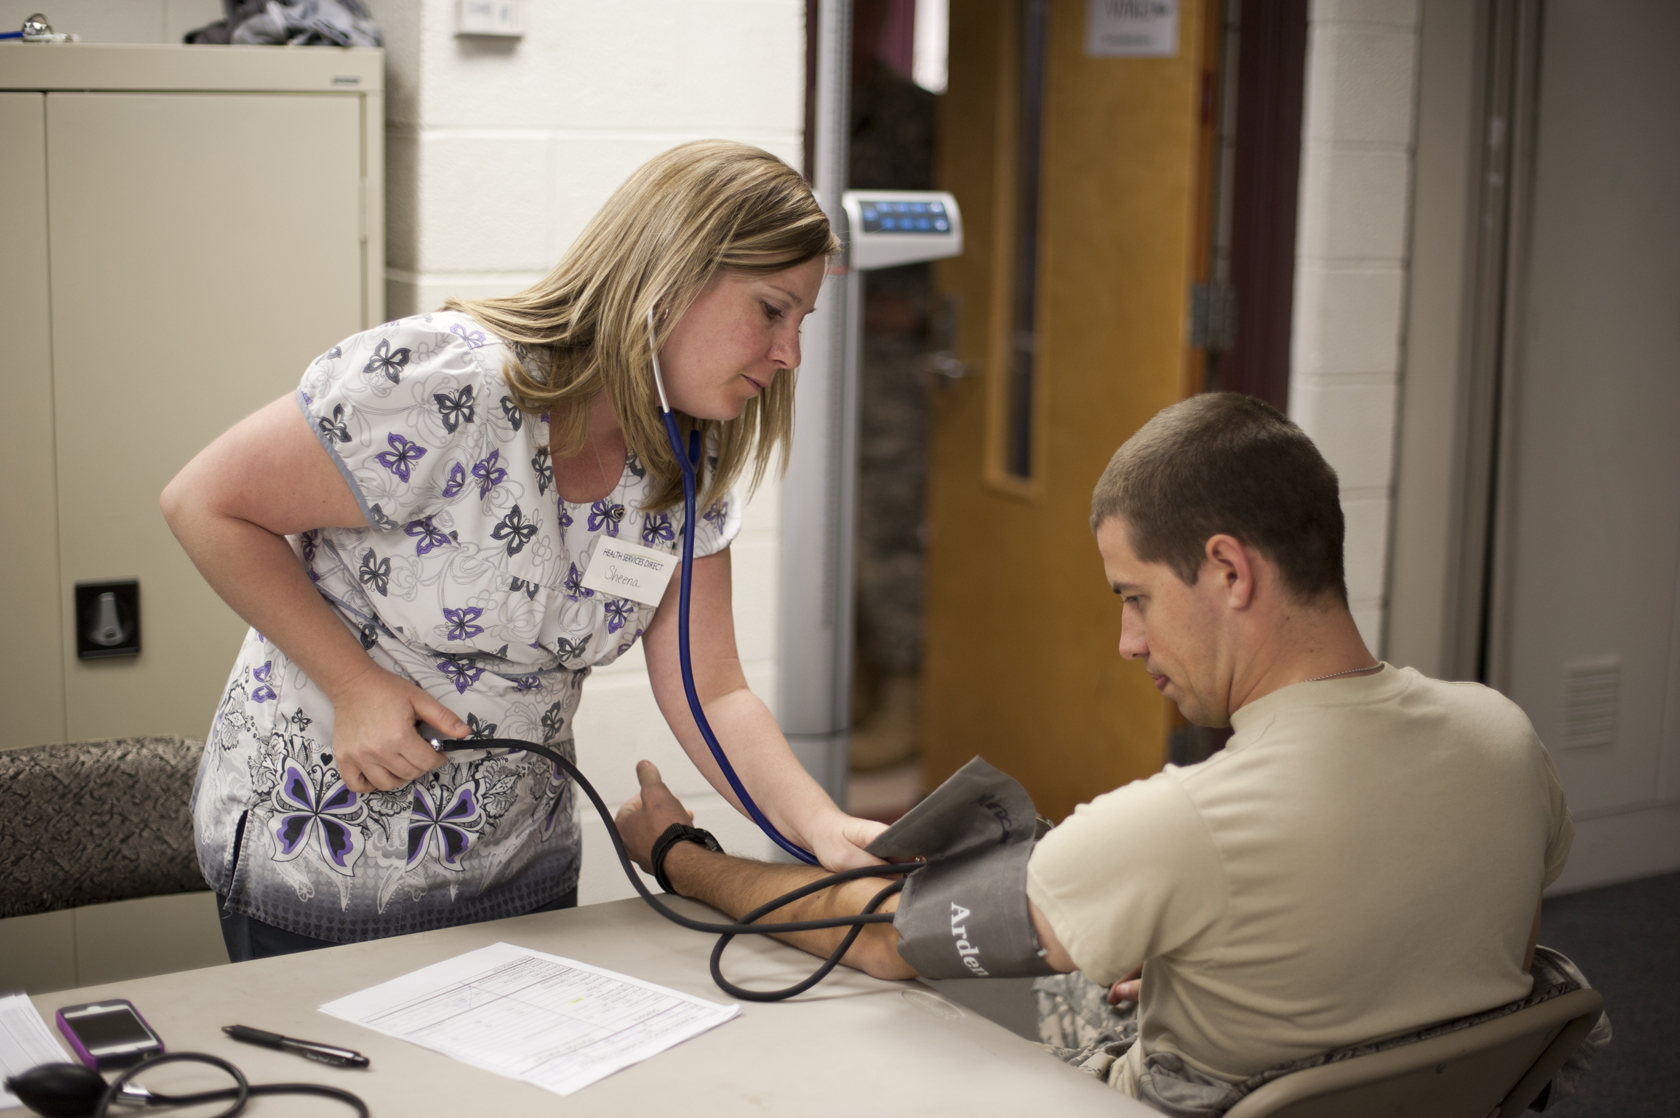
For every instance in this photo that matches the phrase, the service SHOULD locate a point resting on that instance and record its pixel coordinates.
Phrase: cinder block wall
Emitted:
(498, 152)
(1350, 267)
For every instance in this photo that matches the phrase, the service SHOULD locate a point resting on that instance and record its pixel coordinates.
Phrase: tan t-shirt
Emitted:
(1362, 859)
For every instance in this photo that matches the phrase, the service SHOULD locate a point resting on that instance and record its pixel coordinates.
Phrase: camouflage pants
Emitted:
(1077, 1024)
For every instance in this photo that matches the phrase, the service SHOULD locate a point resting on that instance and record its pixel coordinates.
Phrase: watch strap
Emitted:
(675, 833)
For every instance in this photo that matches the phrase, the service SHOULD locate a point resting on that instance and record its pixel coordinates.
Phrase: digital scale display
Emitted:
(905, 217)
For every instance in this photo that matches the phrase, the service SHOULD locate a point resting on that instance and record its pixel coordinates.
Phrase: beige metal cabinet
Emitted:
(185, 229)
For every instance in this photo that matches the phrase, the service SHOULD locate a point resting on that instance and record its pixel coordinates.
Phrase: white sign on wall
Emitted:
(1131, 28)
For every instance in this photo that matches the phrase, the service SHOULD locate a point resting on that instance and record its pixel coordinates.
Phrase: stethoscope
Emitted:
(74, 1090)
(687, 461)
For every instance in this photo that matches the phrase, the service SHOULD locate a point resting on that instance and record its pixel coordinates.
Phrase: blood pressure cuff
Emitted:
(966, 914)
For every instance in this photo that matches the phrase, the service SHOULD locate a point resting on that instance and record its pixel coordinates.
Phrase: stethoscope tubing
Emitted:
(747, 925)
(687, 461)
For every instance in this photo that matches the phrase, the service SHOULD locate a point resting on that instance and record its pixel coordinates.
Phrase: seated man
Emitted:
(1366, 855)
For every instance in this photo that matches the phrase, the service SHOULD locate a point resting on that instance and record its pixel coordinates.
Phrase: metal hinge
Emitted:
(1213, 316)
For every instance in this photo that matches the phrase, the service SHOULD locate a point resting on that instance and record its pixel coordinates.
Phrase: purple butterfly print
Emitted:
(402, 455)
(605, 512)
(618, 612)
(575, 589)
(302, 810)
(515, 417)
(455, 826)
(462, 673)
(629, 644)
(335, 428)
(544, 466)
(264, 692)
(489, 474)
(515, 529)
(525, 682)
(427, 533)
(565, 516)
(657, 527)
(461, 625)
(387, 361)
(308, 540)
(457, 480)
(717, 514)
(473, 338)
(456, 408)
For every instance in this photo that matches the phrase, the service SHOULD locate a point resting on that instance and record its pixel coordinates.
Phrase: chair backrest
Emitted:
(1490, 1070)
(90, 822)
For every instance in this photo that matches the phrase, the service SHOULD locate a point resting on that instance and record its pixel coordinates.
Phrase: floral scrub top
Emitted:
(467, 581)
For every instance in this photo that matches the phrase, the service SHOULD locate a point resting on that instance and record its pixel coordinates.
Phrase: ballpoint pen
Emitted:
(325, 1053)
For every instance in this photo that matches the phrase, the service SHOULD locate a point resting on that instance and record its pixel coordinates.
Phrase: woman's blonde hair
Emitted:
(706, 207)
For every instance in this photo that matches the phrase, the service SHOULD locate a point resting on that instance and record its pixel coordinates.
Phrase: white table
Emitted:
(852, 1047)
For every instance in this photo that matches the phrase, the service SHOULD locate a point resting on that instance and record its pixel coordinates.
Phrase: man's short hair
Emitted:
(1227, 463)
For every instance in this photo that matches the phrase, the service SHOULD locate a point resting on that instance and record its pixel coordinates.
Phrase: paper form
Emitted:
(25, 1042)
(528, 1015)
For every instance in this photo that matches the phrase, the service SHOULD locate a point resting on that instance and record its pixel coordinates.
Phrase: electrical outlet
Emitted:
(107, 619)
(489, 17)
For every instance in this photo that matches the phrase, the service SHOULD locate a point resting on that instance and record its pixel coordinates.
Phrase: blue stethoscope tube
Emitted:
(687, 461)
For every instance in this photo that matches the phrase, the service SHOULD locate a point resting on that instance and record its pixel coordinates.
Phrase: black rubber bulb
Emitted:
(59, 1090)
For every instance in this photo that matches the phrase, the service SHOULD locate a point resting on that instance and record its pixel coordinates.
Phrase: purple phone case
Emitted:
(82, 1053)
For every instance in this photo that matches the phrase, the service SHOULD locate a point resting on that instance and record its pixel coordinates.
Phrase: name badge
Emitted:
(628, 570)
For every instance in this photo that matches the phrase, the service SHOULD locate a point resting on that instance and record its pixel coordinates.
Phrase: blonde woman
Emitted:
(448, 478)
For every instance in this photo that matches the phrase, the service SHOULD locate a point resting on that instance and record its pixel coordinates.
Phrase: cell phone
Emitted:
(109, 1035)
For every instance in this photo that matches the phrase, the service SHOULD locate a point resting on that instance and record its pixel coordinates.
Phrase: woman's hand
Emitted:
(838, 841)
(374, 741)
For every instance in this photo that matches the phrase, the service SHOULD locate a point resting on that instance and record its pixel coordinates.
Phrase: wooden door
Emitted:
(1020, 663)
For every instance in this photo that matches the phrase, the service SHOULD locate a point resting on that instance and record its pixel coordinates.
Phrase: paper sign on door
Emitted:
(628, 570)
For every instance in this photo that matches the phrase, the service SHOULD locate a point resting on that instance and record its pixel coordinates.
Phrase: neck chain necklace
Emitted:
(1350, 671)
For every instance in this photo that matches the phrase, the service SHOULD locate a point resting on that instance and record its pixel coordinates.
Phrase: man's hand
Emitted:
(646, 815)
(735, 886)
(1126, 990)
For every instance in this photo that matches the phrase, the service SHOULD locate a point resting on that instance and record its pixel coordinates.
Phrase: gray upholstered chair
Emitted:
(97, 821)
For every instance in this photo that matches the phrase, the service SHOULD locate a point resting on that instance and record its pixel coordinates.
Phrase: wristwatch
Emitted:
(675, 833)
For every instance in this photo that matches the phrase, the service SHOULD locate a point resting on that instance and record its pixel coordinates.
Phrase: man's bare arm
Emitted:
(736, 886)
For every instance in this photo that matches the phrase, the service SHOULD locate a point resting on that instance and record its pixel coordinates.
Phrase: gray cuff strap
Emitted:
(966, 915)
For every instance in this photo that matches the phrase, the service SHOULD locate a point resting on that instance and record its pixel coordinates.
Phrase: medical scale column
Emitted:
(815, 636)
